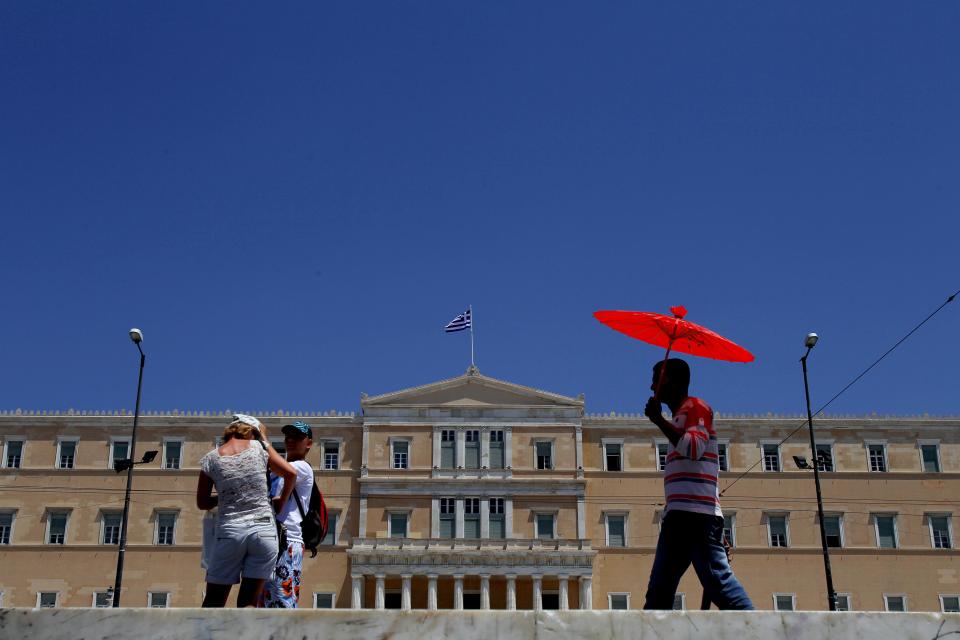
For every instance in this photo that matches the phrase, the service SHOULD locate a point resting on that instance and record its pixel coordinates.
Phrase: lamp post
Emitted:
(809, 343)
(137, 336)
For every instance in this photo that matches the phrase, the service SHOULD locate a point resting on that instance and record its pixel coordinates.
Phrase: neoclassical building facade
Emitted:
(477, 493)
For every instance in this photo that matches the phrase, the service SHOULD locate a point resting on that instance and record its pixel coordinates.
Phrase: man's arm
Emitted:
(654, 412)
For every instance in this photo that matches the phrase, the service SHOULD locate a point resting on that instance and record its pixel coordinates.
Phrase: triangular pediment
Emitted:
(472, 390)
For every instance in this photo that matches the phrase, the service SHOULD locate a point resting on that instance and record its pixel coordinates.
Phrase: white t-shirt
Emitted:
(290, 514)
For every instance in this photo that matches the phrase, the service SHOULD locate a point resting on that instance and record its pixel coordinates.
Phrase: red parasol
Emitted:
(674, 333)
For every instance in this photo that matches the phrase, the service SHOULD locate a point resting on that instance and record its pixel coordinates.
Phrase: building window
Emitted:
(471, 449)
(613, 456)
(331, 454)
(895, 603)
(66, 454)
(323, 600)
(13, 454)
(777, 530)
(544, 452)
(331, 538)
(158, 599)
(950, 604)
(730, 529)
(448, 518)
(172, 450)
(825, 457)
(110, 528)
(930, 458)
(616, 530)
(448, 449)
(119, 450)
(679, 602)
(497, 458)
(618, 601)
(166, 527)
(471, 518)
(57, 527)
(102, 600)
(48, 599)
(878, 457)
(784, 602)
(886, 530)
(940, 531)
(6, 527)
(843, 602)
(723, 463)
(545, 526)
(401, 454)
(498, 528)
(662, 449)
(279, 446)
(398, 525)
(771, 457)
(833, 526)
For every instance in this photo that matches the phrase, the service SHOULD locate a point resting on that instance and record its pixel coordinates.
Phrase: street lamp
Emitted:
(137, 336)
(810, 342)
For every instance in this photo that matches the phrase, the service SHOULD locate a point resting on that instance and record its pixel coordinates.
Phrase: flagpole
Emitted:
(471, 335)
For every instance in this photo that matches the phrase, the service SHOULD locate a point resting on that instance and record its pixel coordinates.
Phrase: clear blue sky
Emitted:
(292, 201)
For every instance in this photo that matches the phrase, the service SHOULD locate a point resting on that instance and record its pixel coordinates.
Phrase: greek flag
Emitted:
(459, 323)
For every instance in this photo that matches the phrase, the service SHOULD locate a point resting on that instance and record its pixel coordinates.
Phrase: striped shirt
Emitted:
(690, 475)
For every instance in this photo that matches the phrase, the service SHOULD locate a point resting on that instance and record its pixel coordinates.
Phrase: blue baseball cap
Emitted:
(298, 427)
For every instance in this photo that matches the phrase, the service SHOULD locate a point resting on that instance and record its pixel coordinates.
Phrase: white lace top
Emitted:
(241, 482)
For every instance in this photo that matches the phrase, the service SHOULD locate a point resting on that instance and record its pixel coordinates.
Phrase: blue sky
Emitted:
(291, 202)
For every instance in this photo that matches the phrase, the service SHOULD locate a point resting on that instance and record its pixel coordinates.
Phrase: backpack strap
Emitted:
(300, 504)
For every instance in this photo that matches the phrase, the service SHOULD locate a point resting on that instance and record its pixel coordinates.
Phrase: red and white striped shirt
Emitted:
(690, 475)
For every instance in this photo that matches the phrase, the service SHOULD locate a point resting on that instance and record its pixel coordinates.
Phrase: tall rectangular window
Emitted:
(895, 603)
(471, 449)
(729, 531)
(331, 538)
(471, 517)
(544, 455)
(448, 518)
(771, 457)
(613, 453)
(930, 456)
(166, 525)
(825, 457)
(110, 533)
(119, 450)
(940, 532)
(171, 454)
(13, 454)
(279, 446)
(401, 454)
(886, 526)
(398, 525)
(777, 530)
(57, 527)
(448, 449)
(662, 449)
(497, 457)
(545, 526)
(723, 462)
(66, 454)
(6, 526)
(498, 529)
(158, 599)
(331, 455)
(878, 457)
(616, 530)
(679, 602)
(834, 531)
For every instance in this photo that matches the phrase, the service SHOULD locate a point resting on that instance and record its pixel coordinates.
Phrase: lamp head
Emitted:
(811, 340)
(136, 335)
(148, 457)
(801, 462)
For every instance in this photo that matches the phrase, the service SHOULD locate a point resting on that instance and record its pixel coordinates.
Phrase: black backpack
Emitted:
(315, 522)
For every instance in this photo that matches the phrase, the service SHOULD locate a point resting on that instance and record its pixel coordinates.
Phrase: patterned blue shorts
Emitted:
(283, 591)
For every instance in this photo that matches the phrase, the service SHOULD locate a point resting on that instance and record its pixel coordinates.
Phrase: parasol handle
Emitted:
(663, 367)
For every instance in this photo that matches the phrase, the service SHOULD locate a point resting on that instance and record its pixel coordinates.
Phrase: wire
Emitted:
(849, 384)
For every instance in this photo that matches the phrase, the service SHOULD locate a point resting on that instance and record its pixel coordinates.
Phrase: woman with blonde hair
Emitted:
(246, 545)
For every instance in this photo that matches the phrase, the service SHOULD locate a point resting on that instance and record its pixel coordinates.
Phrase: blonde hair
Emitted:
(241, 431)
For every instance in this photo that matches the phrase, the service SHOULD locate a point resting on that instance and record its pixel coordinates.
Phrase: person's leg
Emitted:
(216, 596)
(283, 590)
(713, 568)
(250, 588)
(669, 564)
(259, 562)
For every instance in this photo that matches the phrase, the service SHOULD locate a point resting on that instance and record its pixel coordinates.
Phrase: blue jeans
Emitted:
(687, 537)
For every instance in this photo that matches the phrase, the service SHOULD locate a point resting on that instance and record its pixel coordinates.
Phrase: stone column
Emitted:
(461, 445)
(564, 596)
(511, 592)
(458, 523)
(436, 447)
(435, 518)
(432, 592)
(363, 517)
(538, 593)
(581, 517)
(484, 591)
(508, 517)
(484, 447)
(356, 600)
(508, 447)
(484, 517)
(405, 593)
(586, 592)
(378, 601)
(458, 591)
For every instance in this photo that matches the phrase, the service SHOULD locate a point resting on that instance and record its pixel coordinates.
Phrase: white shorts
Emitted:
(247, 549)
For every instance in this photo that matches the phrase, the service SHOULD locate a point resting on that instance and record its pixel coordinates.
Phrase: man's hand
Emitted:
(654, 411)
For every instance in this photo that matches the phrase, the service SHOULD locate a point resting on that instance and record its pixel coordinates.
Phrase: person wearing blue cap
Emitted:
(283, 591)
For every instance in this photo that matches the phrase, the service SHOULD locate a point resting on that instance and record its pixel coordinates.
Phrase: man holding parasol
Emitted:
(692, 527)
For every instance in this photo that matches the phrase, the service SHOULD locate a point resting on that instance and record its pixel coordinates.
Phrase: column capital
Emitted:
(380, 576)
(485, 576)
(586, 578)
(406, 576)
(458, 576)
(511, 576)
(356, 576)
(432, 576)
